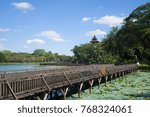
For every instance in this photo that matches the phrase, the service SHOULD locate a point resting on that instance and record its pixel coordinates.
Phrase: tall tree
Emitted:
(110, 42)
(89, 53)
(133, 37)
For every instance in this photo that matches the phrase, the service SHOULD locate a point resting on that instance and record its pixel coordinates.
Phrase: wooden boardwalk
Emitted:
(40, 84)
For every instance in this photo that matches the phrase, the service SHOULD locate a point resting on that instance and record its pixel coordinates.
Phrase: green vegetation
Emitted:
(92, 53)
(130, 87)
(39, 55)
(144, 66)
(134, 36)
(129, 44)
(2, 57)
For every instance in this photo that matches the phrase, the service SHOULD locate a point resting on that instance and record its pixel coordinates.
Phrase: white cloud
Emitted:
(35, 41)
(86, 19)
(96, 33)
(4, 29)
(109, 20)
(23, 6)
(51, 35)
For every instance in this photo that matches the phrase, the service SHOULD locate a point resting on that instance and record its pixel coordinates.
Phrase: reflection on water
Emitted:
(135, 86)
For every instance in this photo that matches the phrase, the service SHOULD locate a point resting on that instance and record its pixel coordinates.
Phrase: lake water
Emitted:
(23, 67)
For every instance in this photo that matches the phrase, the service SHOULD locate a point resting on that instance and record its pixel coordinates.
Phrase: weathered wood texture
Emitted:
(23, 84)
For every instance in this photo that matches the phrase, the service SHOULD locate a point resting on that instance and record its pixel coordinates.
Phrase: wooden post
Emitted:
(115, 75)
(99, 81)
(64, 92)
(45, 96)
(106, 78)
(111, 76)
(119, 75)
(122, 73)
(11, 90)
(91, 84)
(51, 94)
(79, 87)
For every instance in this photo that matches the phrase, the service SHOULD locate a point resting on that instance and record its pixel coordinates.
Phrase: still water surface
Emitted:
(22, 67)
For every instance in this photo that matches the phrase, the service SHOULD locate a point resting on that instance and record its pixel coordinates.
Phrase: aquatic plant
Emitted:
(134, 86)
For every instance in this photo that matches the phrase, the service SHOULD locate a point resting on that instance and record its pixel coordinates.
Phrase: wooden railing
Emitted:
(22, 84)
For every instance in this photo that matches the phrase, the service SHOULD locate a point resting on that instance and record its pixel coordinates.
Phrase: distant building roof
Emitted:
(94, 40)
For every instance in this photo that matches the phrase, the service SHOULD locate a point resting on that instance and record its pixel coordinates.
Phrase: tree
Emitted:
(39, 52)
(110, 42)
(134, 36)
(89, 53)
(2, 57)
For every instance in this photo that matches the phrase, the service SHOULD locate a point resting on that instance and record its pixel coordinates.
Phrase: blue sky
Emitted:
(58, 25)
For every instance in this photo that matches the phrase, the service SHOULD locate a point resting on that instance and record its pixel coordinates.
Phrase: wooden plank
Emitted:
(103, 71)
(12, 92)
(67, 79)
(82, 76)
(46, 83)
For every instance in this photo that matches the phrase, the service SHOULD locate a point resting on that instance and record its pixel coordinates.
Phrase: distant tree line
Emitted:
(39, 55)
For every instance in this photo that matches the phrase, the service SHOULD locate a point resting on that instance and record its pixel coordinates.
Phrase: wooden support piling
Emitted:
(111, 77)
(106, 78)
(115, 76)
(64, 92)
(79, 87)
(45, 96)
(91, 84)
(51, 94)
(99, 81)
(123, 73)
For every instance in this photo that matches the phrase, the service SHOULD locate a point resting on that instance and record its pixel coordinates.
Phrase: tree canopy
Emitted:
(134, 36)
(128, 44)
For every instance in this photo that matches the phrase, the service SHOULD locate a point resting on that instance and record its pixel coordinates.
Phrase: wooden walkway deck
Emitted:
(41, 83)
